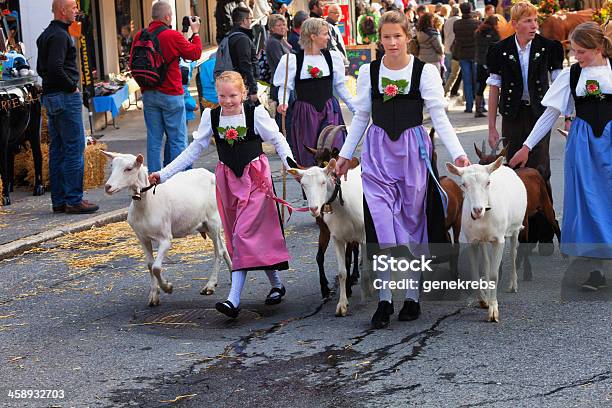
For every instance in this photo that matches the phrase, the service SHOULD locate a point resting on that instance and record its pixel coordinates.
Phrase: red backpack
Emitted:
(147, 63)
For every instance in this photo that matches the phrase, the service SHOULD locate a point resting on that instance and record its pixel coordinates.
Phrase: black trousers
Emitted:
(481, 79)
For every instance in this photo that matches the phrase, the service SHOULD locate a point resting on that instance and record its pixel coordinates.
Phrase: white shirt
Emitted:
(559, 98)
(265, 127)
(315, 61)
(431, 91)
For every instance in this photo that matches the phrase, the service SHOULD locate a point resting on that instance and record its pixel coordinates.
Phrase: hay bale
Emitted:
(44, 130)
(95, 164)
(93, 175)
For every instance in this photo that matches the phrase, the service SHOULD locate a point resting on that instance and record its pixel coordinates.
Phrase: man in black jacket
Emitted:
(242, 50)
(223, 16)
(464, 49)
(62, 99)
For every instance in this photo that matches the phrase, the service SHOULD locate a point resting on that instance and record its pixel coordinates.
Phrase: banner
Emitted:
(86, 48)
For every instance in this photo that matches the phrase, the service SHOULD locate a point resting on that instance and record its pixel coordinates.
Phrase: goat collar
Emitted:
(136, 195)
(326, 208)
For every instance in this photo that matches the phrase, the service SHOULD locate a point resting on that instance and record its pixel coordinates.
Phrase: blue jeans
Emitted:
(164, 114)
(448, 59)
(66, 150)
(468, 75)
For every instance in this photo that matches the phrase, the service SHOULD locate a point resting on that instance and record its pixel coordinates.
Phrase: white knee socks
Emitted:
(412, 290)
(384, 294)
(238, 278)
(414, 279)
(274, 278)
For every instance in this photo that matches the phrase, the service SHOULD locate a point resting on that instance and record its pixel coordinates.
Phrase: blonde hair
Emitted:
(522, 9)
(274, 19)
(312, 26)
(231, 77)
(590, 35)
(394, 17)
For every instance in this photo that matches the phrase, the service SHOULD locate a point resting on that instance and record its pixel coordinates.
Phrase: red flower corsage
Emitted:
(314, 72)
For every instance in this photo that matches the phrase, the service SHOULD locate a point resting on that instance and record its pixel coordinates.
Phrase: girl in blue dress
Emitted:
(586, 87)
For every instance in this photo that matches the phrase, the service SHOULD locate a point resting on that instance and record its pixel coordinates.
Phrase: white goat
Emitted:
(345, 222)
(494, 206)
(179, 207)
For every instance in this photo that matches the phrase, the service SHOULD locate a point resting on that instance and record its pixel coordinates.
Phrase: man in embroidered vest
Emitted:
(519, 69)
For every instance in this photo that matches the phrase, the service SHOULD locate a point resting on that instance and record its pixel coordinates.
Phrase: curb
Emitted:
(23, 244)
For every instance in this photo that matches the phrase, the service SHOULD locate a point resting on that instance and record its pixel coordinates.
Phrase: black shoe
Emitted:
(410, 311)
(479, 114)
(59, 209)
(228, 309)
(454, 94)
(275, 296)
(467, 111)
(596, 281)
(381, 316)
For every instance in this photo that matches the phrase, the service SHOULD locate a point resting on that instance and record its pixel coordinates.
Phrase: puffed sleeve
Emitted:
(433, 94)
(201, 140)
(280, 74)
(556, 56)
(340, 80)
(559, 94)
(361, 119)
(267, 129)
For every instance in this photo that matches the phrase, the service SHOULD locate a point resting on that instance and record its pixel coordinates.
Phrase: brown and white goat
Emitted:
(323, 154)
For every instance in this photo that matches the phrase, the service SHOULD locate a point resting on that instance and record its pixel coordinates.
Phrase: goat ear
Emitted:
(478, 151)
(139, 160)
(495, 165)
(109, 154)
(296, 173)
(331, 166)
(292, 163)
(452, 169)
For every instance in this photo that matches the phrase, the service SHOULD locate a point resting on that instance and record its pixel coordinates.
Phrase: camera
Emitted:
(186, 22)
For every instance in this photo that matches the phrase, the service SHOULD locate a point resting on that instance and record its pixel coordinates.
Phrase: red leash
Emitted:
(262, 184)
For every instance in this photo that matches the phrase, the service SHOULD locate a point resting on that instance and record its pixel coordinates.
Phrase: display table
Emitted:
(111, 103)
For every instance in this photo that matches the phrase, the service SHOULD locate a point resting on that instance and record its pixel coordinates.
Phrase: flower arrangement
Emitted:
(232, 134)
(314, 72)
(391, 88)
(593, 89)
(549, 7)
(602, 15)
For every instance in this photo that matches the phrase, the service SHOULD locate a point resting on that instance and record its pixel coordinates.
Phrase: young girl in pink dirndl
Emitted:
(250, 217)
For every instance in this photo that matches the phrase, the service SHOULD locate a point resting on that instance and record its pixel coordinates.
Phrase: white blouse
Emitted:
(315, 61)
(559, 98)
(265, 127)
(431, 91)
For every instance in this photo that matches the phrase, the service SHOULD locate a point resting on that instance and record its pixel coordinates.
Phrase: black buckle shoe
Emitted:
(595, 282)
(228, 309)
(410, 311)
(275, 300)
(382, 314)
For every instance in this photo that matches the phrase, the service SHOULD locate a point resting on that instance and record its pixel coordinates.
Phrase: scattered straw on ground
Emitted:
(104, 245)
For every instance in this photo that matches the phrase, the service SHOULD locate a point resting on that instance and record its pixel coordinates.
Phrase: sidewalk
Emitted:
(29, 221)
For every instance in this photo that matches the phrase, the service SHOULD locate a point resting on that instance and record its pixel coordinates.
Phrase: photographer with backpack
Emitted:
(154, 62)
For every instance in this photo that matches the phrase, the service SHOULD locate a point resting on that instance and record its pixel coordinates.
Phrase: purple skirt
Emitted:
(307, 123)
(395, 188)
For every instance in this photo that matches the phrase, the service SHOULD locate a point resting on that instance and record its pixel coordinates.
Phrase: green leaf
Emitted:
(221, 129)
(385, 81)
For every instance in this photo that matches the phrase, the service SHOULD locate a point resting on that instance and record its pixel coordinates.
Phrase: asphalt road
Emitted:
(74, 317)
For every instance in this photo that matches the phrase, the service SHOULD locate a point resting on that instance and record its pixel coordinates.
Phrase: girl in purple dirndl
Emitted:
(314, 74)
(402, 206)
